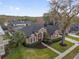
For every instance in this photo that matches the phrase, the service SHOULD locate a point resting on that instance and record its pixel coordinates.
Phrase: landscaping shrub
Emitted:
(50, 41)
(31, 45)
(56, 40)
(34, 45)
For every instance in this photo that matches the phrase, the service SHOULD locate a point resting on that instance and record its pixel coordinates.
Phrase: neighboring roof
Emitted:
(28, 30)
(51, 28)
(21, 22)
(77, 56)
(75, 27)
(31, 29)
(35, 27)
(1, 31)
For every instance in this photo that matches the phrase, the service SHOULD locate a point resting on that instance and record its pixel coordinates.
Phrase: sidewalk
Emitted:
(74, 35)
(66, 52)
(61, 55)
(70, 40)
(51, 48)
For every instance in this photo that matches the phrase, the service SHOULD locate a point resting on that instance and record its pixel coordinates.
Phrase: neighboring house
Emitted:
(74, 28)
(2, 42)
(18, 24)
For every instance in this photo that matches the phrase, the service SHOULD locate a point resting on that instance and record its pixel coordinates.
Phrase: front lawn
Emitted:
(72, 54)
(61, 48)
(74, 38)
(31, 53)
(77, 34)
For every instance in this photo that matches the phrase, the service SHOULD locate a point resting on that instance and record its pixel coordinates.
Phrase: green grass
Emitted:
(74, 38)
(72, 54)
(61, 48)
(31, 53)
(77, 34)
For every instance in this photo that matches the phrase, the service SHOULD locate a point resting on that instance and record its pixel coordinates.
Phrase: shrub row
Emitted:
(50, 41)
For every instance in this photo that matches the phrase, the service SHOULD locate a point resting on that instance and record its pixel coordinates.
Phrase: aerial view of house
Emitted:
(34, 32)
(39, 29)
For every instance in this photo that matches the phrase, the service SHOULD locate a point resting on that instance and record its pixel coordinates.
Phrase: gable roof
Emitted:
(1, 31)
(31, 29)
(51, 29)
(35, 27)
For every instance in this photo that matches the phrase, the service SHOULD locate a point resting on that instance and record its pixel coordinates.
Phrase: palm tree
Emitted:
(18, 38)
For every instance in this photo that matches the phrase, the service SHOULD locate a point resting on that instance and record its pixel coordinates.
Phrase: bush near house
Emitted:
(34, 45)
(50, 41)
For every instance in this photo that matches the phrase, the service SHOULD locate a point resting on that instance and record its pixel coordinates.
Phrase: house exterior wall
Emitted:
(55, 34)
(38, 36)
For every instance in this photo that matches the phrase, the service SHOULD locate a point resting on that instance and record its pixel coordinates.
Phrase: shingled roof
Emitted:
(51, 28)
(35, 27)
(31, 29)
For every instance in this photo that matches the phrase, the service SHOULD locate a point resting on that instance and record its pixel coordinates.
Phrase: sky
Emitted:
(24, 7)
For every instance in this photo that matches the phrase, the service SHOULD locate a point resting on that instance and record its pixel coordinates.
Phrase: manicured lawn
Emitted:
(72, 54)
(61, 48)
(77, 34)
(31, 53)
(74, 38)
